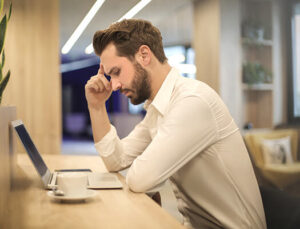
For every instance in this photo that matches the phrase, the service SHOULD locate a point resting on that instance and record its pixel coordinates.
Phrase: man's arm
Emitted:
(97, 90)
(115, 153)
(187, 129)
(100, 123)
(118, 154)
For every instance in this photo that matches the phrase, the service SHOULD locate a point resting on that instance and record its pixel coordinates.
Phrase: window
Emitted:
(294, 103)
(182, 58)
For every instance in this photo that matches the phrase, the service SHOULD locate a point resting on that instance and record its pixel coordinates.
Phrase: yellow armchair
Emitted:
(280, 175)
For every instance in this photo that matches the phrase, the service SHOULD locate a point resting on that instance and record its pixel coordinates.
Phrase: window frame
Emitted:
(292, 119)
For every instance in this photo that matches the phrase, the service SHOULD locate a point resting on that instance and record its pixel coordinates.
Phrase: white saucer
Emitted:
(87, 195)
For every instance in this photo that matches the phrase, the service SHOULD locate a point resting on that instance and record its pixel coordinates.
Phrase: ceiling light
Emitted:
(89, 49)
(82, 26)
(131, 13)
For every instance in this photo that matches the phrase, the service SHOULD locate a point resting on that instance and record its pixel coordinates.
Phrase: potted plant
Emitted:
(256, 73)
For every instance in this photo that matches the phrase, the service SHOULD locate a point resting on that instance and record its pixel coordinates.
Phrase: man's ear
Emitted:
(144, 55)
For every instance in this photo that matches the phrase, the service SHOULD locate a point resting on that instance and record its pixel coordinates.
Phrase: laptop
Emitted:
(96, 180)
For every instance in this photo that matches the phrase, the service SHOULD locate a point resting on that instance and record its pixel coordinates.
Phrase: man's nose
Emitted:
(116, 85)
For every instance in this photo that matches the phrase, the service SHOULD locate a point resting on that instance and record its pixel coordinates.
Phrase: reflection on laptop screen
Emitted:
(31, 149)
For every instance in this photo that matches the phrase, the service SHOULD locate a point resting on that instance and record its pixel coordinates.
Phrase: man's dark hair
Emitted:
(128, 35)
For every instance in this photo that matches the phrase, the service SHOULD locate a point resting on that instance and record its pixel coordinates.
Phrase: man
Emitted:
(187, 135)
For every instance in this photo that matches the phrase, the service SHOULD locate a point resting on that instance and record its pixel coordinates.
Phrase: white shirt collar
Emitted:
(163, 96)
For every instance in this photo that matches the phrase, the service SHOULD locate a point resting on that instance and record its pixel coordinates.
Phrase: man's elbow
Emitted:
(136, 185)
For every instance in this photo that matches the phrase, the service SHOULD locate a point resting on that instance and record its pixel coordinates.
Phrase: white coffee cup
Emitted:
(72, 184)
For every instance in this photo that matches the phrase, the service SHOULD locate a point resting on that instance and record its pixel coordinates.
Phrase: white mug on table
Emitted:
(72, 184)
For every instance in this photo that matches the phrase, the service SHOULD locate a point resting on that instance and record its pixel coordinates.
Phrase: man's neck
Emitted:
(158, 75)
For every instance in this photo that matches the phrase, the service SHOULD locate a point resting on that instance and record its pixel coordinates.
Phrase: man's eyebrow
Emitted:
(111, 70)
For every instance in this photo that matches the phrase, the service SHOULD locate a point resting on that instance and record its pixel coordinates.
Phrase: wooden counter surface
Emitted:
(31, 207)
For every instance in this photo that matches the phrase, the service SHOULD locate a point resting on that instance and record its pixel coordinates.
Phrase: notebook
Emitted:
(96, 180)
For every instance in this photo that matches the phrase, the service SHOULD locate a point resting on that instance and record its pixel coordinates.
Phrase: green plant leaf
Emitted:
(3, 59)
(3, 84)
(1, 73)
(9, 13)
(1, 6)
(3, 24)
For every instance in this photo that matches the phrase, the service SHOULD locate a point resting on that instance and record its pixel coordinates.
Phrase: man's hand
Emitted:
(97, 90)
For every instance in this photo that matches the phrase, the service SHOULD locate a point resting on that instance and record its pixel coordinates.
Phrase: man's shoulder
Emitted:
(185, 87)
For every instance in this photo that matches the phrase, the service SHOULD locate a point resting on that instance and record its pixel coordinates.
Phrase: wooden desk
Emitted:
(30, 207)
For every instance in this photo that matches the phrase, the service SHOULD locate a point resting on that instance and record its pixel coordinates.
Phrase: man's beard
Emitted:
(141, 88)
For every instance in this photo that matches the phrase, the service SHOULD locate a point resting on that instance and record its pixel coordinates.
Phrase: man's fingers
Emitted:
(106, 83)
(93, 86)
(100, 83)
(101, 70)
(101, 79)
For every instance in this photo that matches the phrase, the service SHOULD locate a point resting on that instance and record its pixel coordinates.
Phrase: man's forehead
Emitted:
(108, 69)
(109, 52)
(108, 58)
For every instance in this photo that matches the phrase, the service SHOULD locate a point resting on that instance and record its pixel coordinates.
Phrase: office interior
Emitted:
(247, 50)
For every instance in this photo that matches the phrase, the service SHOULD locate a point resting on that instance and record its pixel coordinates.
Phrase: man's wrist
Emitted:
(98, 108)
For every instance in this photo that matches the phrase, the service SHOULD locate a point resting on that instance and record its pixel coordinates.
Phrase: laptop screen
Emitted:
(31, 149)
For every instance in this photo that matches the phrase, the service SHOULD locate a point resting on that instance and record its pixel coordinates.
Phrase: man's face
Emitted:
(127, 76)
(140, 86)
